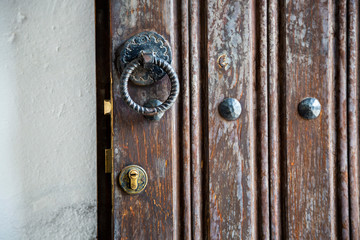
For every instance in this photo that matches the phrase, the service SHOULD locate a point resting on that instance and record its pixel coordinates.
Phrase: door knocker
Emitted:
(144, 59)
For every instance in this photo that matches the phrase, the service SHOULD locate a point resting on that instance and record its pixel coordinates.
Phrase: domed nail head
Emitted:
(230, 109)
(309, 108)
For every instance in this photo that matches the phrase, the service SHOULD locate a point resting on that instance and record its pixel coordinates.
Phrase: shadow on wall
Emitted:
(47, 124)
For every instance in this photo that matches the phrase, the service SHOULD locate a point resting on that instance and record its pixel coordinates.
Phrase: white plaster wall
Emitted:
(47, 120)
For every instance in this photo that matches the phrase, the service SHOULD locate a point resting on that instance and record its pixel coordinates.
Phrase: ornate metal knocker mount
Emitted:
(144, 59)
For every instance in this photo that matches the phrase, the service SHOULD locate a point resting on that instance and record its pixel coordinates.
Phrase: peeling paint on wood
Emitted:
(152, 214)
(269, 174)
(231, 144)
(309, 144)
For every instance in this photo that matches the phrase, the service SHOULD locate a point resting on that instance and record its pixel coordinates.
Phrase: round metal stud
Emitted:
(230, 109)
(150, 104)
(309, 108)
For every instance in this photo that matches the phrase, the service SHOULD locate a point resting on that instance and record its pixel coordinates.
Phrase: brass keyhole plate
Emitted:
(127, 183)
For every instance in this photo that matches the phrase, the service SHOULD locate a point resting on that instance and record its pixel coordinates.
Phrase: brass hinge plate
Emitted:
(108, 160)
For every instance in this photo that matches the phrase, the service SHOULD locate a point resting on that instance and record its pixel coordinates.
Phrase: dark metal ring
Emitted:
(143, 60)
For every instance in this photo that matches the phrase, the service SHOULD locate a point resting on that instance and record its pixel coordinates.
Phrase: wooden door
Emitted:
(271, 173)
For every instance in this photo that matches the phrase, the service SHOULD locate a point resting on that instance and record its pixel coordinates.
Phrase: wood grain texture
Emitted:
(196, 70)
(262, 106)
(353, 114)
(185, 124)
(310, 145)
(155, 213)
(231, 188)
(269, 174)
(274, 123)
(342, 131)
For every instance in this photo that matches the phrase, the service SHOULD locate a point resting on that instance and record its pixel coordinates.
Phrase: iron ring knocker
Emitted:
(146, 60)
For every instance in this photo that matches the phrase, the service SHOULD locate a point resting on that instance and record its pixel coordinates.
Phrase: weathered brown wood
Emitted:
(342, 131)
(334, 213)
(196, 34)
(268, 175)
(274, 122)
(353, 114)
(231, 210)
(262, 118)
(309, 143)
(153, 214)
(185, 124)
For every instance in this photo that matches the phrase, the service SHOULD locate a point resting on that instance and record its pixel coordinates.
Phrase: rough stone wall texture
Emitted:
(47, 120)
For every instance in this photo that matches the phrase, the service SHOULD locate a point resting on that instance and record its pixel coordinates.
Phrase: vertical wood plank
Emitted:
(262, 118)
(245, 189)
(309, 143)
(342, 138)
(185, 124)
(332, 121)
(353, 114)
(274, 131)
(195, 39)
(153, 214)
(231, 210)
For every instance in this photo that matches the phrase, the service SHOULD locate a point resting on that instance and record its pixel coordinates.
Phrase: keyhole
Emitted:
(133, 179)
(133, 175)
